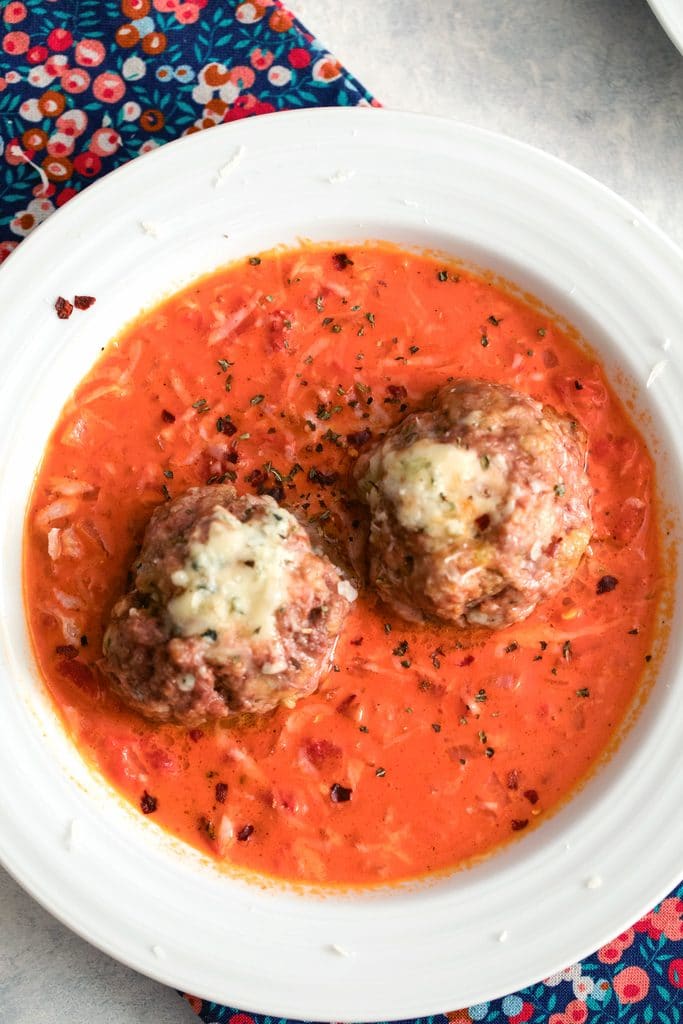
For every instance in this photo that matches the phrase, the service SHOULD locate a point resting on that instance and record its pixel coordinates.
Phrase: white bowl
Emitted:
(113, 876)
(669, 13)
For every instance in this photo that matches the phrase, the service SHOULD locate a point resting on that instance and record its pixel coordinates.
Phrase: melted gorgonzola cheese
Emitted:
(440, 490)
(237, 578)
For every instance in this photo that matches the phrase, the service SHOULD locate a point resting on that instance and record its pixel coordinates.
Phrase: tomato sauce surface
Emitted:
(270, 373)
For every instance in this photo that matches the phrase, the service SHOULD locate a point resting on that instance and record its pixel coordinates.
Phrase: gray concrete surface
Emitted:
(595, 82)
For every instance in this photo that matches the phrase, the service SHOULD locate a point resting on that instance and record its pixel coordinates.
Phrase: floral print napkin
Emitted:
(86, 85)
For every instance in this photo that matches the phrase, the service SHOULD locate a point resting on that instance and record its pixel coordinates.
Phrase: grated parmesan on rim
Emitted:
(231, 165)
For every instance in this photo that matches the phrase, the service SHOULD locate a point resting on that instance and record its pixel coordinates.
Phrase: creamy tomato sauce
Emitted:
(424, 746)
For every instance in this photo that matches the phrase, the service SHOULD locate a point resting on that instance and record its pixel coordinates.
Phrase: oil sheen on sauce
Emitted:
(273, 372)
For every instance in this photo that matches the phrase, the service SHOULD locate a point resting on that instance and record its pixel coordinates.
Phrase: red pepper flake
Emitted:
(482, 522)
(344, 707)
(531, 795)
(320, 752)
(339, 794)
(167, 416)
(84, 301)
(195, 735)
(395, 394)
(511, 647)
(606, 584)
(148, 803)
(221, 792)
(64, 308)
(224, 425)
(357, 642)
(67, 651)
(467, 660)
(206, 825)
(519, 823)
(341, 260)
(245, 833)
(513, 779)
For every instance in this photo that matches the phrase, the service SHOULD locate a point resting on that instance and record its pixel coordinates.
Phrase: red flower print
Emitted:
(60, 145)
(676, 973)
(299, 58)
(65, 195)
(14, 155)
(668, 919)
(14, 13)
(242, 77)
(75, 81)
(56, 64)
(5, 249)
(576, 1012)
(60, 39)
(241, 1018)
(16, 43)
(87, 164)
(37, 54)
(187, 13)
(631, 985)
(109, 87)
(90, 53)
(72, 122)
(105, 142)
(43, 191)
(261, 59)
(247, 106)
(525, 1014)
(626, 938)
(609, 954)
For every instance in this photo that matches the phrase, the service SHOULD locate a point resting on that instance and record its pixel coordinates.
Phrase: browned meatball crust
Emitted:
(480, 506)
(230, 611)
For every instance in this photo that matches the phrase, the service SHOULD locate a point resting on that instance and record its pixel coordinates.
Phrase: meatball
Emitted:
(480, 506)
(230, 611)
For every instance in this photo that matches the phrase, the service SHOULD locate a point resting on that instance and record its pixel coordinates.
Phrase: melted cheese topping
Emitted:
(441, 490)
(238, 577)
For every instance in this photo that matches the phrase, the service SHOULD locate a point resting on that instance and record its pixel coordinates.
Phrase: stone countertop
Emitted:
(595, 82)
